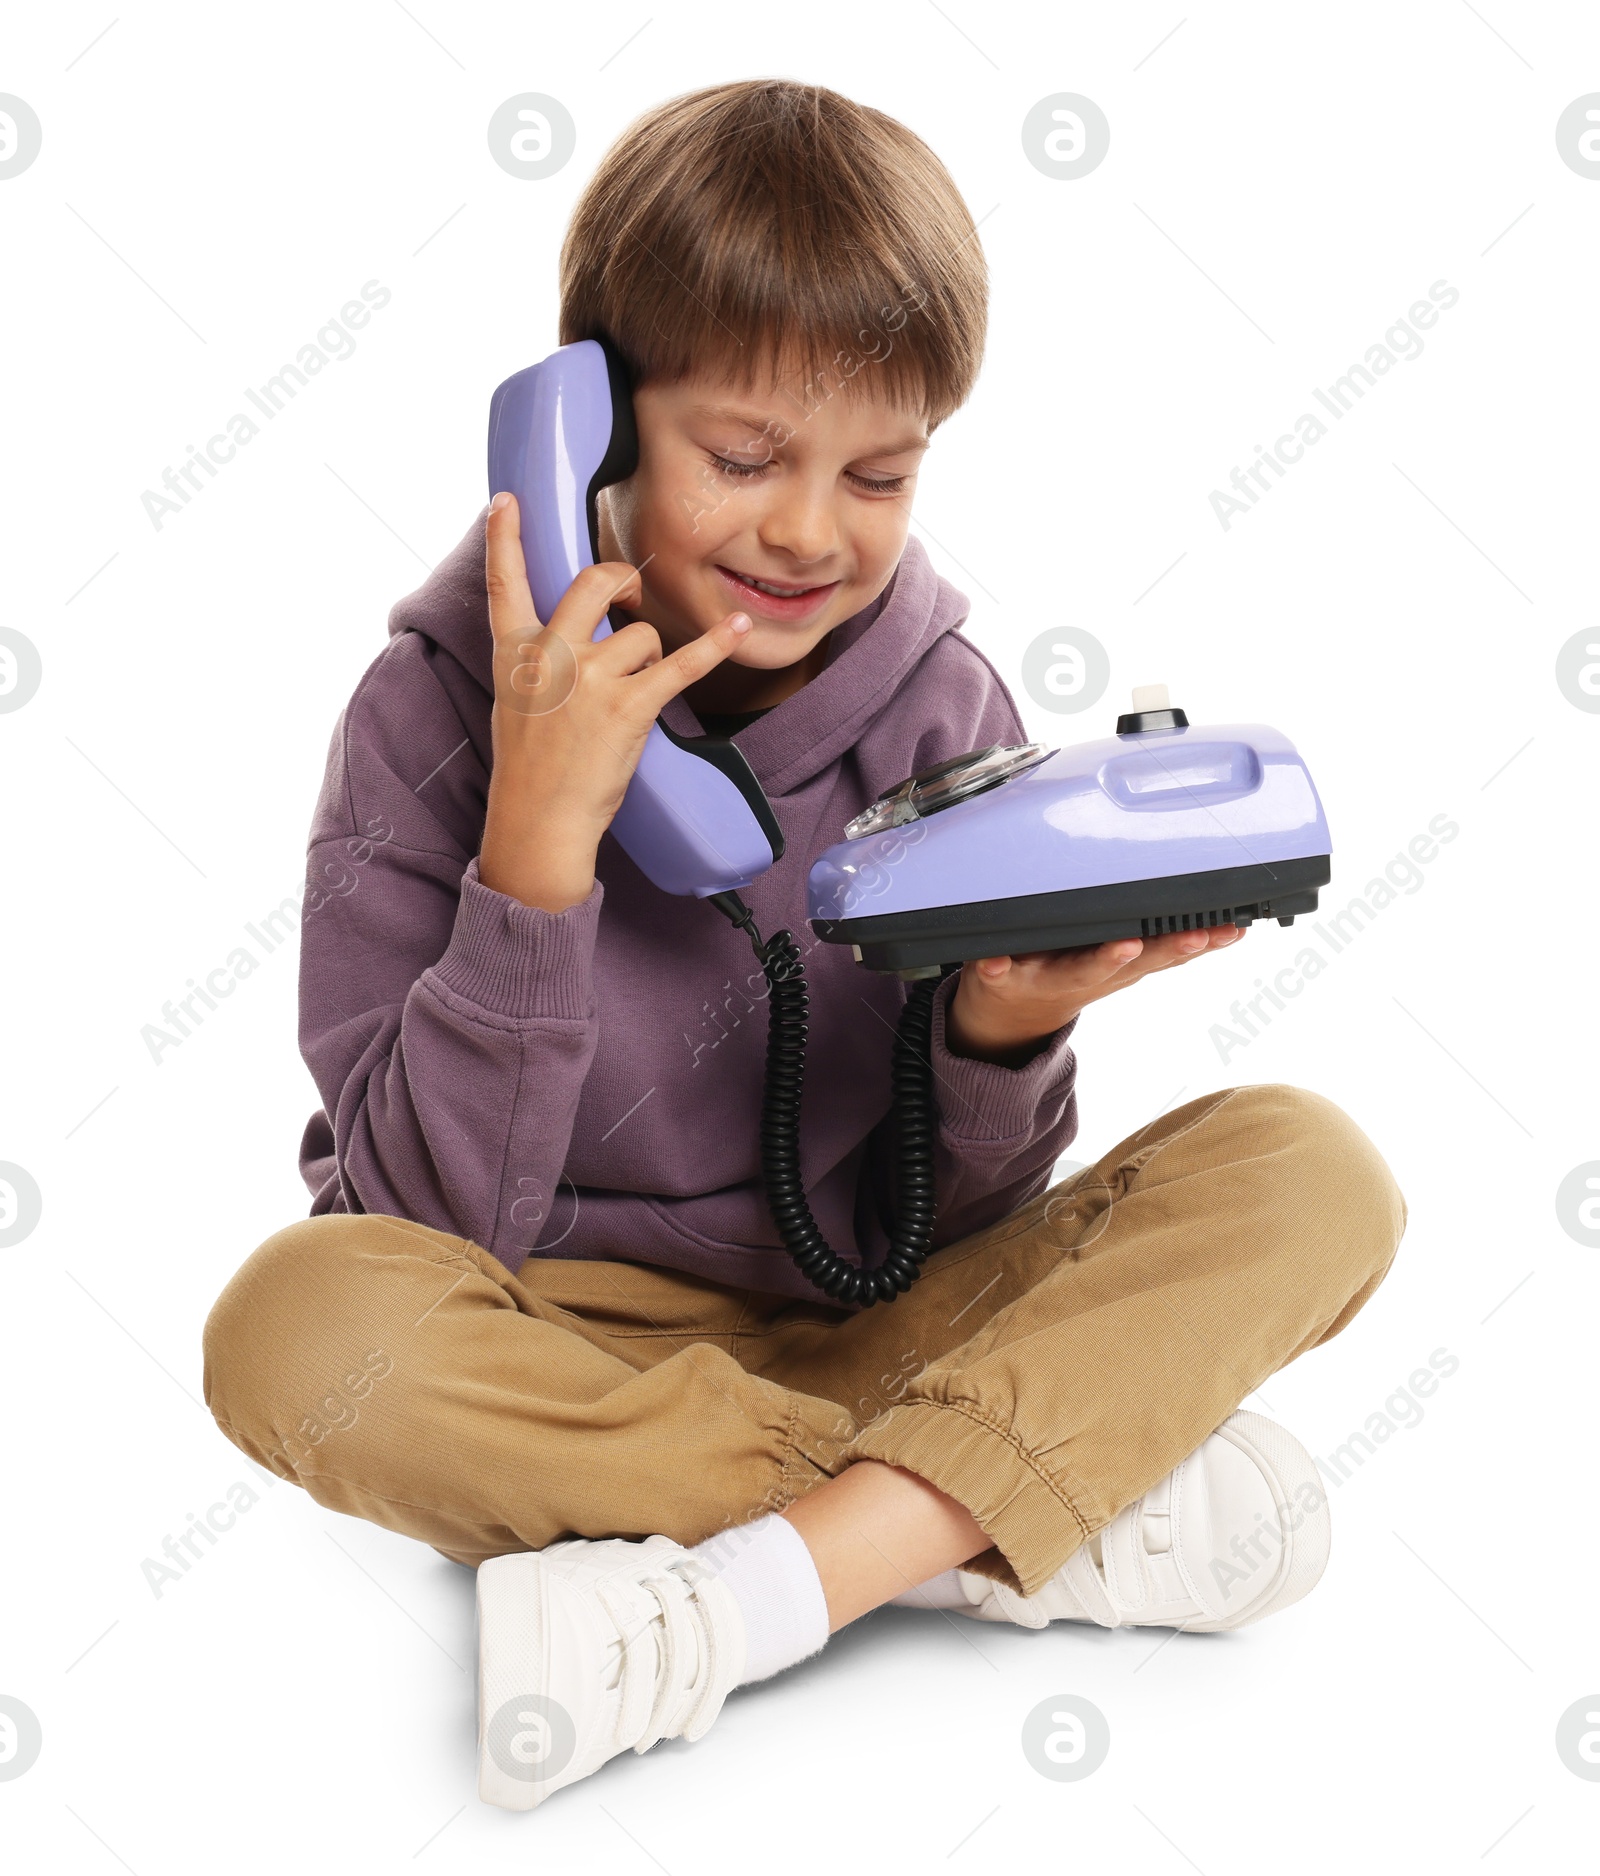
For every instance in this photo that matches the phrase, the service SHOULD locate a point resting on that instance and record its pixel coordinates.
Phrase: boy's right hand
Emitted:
(570, 716)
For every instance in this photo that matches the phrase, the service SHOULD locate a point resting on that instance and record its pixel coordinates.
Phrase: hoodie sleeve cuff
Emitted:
(983, 1104)
(518, 961)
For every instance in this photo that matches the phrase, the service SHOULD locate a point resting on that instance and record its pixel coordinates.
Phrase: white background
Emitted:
(1283, 182)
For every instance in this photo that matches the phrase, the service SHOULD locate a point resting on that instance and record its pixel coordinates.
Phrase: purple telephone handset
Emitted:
(694, 819)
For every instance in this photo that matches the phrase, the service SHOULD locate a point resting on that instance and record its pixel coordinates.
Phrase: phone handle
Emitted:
(694, 820)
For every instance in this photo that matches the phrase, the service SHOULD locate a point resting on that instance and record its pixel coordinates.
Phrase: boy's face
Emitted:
(736, 486)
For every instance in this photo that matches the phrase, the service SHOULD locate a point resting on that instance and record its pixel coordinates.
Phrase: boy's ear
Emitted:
(606, 544)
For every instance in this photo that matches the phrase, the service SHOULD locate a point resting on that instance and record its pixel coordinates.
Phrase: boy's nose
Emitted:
(802, 527)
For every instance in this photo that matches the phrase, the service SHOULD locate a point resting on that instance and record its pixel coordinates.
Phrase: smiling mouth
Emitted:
(775, 588)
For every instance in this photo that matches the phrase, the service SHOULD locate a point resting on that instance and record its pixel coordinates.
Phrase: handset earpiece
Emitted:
(694, 820)
(621, 456)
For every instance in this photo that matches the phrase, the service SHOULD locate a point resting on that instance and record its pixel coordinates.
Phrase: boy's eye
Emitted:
(875, 485)
(739, 468)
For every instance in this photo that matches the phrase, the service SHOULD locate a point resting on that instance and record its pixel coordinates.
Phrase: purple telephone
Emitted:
(695, 819)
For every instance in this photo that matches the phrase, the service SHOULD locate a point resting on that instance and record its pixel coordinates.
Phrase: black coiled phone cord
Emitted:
(916, 1116)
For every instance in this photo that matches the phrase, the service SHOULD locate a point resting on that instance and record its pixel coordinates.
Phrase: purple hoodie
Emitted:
(588, 1083)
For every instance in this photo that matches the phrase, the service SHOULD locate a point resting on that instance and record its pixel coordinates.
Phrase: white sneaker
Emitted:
(586, 1648)
(1235, 1532)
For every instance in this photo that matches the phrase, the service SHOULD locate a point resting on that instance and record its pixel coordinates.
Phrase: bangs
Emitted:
(769, 233)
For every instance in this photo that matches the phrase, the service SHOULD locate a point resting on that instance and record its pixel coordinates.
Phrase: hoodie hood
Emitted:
(871, 655)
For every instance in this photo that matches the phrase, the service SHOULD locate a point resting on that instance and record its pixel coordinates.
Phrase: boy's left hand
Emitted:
(1005, 1009)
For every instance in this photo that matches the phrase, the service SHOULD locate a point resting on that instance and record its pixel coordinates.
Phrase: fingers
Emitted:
(1081, 969)
(626, 652)
(1178, 947)
(1140, 958)
(695, 659)
(1085, 963)
(505, 574)
(591, 596)
(511, 608)
(1127, 958)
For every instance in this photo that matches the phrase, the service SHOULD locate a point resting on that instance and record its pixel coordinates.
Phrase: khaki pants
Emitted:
(1044, 1372)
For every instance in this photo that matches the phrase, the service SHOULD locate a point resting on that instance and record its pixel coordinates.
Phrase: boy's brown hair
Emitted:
(768, 228)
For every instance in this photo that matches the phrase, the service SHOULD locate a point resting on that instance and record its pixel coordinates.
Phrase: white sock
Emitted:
(939, 1592)
(768, 1568)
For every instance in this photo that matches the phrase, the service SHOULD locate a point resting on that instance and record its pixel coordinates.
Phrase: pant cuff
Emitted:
(1010, 1493)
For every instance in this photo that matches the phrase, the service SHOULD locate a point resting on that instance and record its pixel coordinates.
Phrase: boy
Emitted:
(540, 1317)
